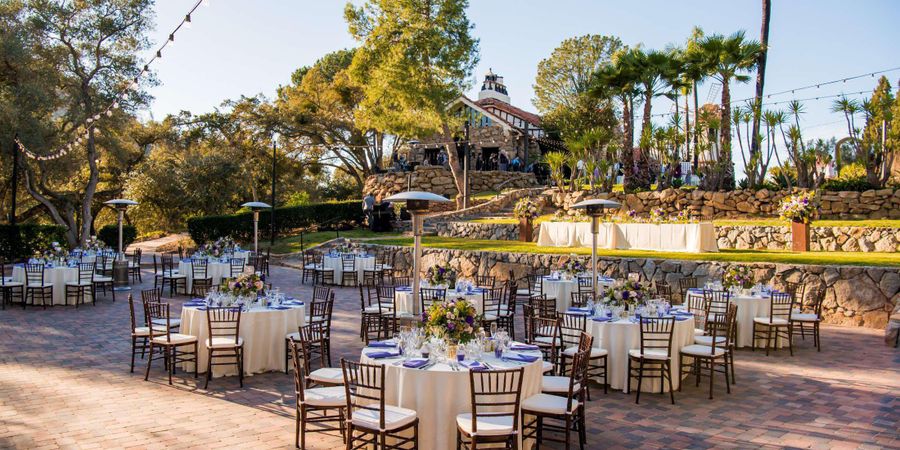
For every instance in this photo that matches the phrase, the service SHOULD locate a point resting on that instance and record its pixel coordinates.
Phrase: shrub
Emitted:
(109, 234)
(851, 178)
(240, 226)
(21, 241)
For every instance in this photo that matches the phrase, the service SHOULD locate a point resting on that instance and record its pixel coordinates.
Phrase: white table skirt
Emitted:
(57, 276)
(562, 290)
(263, 331)
(359, 263)
(403, 301)
(438, 394)
(748, 308)
(215, 270)
(674, 237)
(620, 336)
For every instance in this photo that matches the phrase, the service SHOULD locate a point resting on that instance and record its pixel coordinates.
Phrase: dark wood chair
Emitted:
(584, 284)
(369, 419)
(485, 281)
(804, 322)
(711, 356)
(36, 286)
(491, 301)
(494, 415)
(777, 325)
(684, 284)
(134, 265)
(654, 359)
(167, 273)
(9, 289)
(664, 291)
(201, 281)
(175, 348)
(571, 328)
(140, 334)
(348, 270)
(82, 286)
(103, 280)
(507, 317)
(430, 296)
(236, 267)
(313, 405)
(581, 299)
(224, 341)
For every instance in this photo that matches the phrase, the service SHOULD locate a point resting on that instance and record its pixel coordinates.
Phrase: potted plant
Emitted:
(799, 210)
(526, 210)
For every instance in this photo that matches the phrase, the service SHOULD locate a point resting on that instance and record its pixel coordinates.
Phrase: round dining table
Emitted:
(561, 289)
(438, 393)
(57, 276)
(262, 328)
(619, 336)
(403, 299)
(214, 269)
(748, 308)
(360, 264)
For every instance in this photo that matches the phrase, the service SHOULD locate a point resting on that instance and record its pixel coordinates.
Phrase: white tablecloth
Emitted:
(438, 394)
(215, 270)
(403, 301)
(57, 276)
(620, 336)
(263, 331)
(360, 264)
(748, 307)
(562, 290)
(674, 237)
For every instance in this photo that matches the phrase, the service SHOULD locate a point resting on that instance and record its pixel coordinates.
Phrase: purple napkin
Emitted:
(380, 355)
(521, 357)
(524, 347)
(382, 344)
(602, 319)
(681, 318)
(580, 311)
(475, 366)
(279, 307)
(415, 363)
(403, 289)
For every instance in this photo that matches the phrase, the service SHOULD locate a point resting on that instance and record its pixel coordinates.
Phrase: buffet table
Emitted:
(671, 237)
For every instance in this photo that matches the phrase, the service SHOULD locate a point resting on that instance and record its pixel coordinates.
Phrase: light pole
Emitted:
(595, 209)
(274, 160)
(417, 205)
(120, 266)
(255, 207)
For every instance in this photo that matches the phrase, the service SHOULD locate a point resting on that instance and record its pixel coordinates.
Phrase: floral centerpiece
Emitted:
(245, 285)
(55, 252)
(451, 320)
(219, 247)
(527, 209)
(740, 277)
(440, 275)
(626, 293)
(683, 216)
(658, 215)
(573, 266)
(94, 245)
(799, 210)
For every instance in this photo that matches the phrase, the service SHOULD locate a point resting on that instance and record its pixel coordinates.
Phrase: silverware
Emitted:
(427, 366)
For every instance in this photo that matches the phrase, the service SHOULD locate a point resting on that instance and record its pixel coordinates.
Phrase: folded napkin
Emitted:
(280, 307)
(580, 310)
(601, 319)
(681, 318)
(415, 363)
(383, 344)
(403, 289)
(521, 357)
(680, 312)
(380, 355)
(524, 347)
(194, 304)
(201, 308)
(475, 366)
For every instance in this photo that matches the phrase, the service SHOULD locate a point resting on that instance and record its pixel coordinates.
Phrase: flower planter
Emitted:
(799, 237)
(526, 230)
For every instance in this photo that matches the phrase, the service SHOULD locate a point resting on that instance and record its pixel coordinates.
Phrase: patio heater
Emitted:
(595, 208)
(417, 203)
(120, 266)
(256, 207)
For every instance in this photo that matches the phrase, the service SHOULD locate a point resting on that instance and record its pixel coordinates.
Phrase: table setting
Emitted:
(361, 261)
(561, 284)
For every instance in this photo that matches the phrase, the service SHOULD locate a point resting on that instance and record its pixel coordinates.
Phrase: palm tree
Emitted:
(727, 57)
(760, 74)
(693, 70)
(656, 71)
(850, 108)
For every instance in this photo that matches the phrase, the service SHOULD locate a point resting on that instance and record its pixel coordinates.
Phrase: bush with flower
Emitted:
(526, 208)
(625, 293)
(245, 285)
(740, 277)
(440, 275)
(658, 215)
(451, 320)
(799, 207)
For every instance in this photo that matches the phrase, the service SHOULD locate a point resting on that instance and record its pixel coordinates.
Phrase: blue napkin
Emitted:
(293, 303)
(380, 355)
(279, 307)
(383, 344)
(201, 308)
(602, 319)
(414, 363)
(521, 357)
(679, 312)
(474, 366)
(580, 310)
(524, 347)
(403, 288)
(681, 318)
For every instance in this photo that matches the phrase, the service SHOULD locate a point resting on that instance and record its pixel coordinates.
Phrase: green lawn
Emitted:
(291, 244)
(772, 256)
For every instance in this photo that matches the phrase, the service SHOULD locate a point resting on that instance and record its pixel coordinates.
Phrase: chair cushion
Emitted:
(172, 322)
(102, 279)
(394, 417)
(40, 286)
(523, 292)
(145, 331)
(595, 352)
(547, 404)
(487, 426)
(327, 375)
(546, 340)
(224, 342)
(770, 321)
(175, 338)
(650, 354)
(490, 317)
(10, 283)
(174, 275)
(546, 366)
(325, 396)
(699, 331)
(701, 350)
(557, 385)
(372, 309)
(801, 317)
(707, 340)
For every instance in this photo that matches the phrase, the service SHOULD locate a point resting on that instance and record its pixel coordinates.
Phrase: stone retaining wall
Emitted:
(860, 296)
(440, 181)
(880, 204)
(830, 239)
(478, 231)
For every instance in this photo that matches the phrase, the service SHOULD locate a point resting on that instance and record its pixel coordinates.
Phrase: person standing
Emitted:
(368, 205)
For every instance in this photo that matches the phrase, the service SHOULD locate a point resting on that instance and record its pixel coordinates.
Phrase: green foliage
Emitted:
(21, 241)
(783, 177)
(109, 235)
(851, 178)
(240, 226)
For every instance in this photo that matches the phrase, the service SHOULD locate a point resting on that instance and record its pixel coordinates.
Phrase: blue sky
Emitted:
(247, 47)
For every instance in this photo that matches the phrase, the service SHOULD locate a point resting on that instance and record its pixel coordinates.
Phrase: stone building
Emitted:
(495, 128)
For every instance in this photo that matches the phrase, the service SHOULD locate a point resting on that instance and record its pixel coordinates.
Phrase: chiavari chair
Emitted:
(370, 420)
(320, 311)
(324, 275)
(348, 267)
(83, 285)
(543, 306)
(664, 291)
(400, 280)
(713, 355)
(170, 274)
(140, 335)
(134, 265)
(236, 267)
(103, 275)
(777, 325)
(10, 289)
(36, 286)
(684, 284)
(485, 281)
(654, 356)
(798, 294)
(312, 261)
(155, 296)
(171, 345)
(430, 296)
(491, 300)
(572, 327)
(224, 341)
(201, 281)
(546, 335)
(581, 299)
(507, 316)
(313, 405)
(322, 293)
(799, 321)
(370, 312)
(494, 415)
(567, 412)
(584, 284)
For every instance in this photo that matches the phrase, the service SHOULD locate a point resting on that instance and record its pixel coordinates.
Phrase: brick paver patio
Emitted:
(64, 383)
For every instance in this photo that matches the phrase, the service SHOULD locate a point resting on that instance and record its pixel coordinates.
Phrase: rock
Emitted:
(859, 294)
(890, 284)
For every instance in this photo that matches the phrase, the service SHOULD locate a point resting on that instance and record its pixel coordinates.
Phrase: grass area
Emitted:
(291, 244)
(873, 223)
(511, 220)
(486, 195)
(770, 256)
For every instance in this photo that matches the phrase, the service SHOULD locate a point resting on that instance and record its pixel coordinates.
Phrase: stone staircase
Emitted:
(500, 206)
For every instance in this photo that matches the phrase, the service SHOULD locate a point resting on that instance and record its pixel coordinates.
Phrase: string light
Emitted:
(133, 84)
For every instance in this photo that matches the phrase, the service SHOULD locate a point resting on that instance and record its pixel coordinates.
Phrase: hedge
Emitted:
(109, 235)
(21, 241)
(240, 226)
